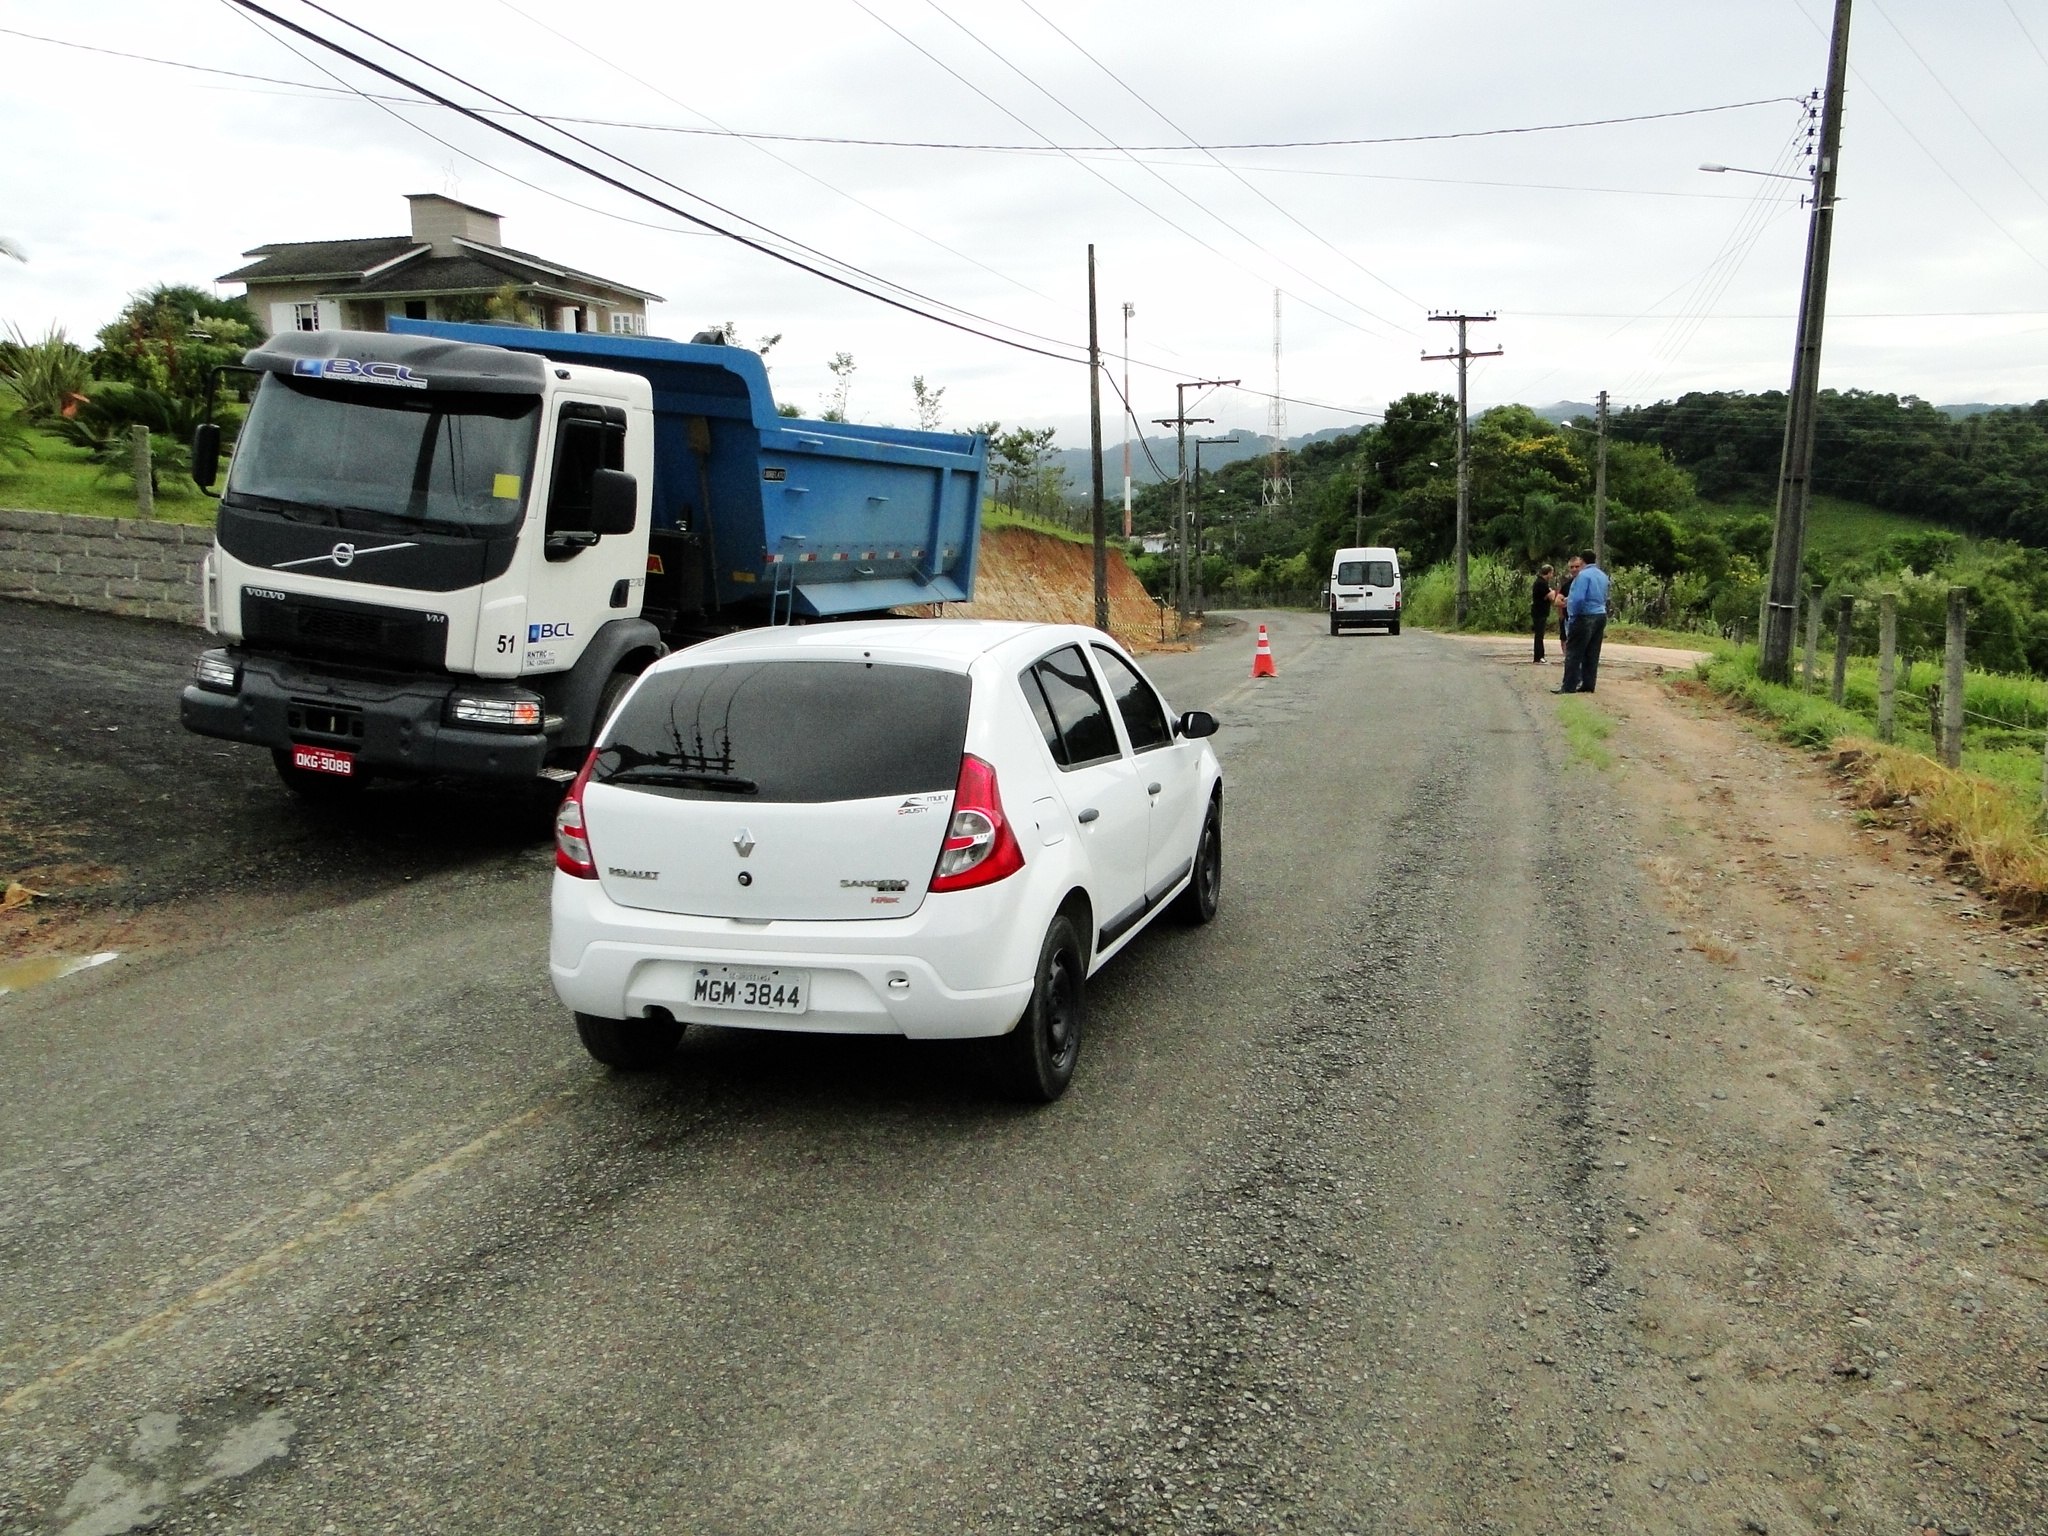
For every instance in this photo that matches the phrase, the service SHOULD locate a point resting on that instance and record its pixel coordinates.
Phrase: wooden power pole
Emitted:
(1095, 456)
(1463, 357)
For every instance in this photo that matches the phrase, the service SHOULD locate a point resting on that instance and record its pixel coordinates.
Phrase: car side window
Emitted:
(1078, 712)
(1144, 716)
(1034, 695)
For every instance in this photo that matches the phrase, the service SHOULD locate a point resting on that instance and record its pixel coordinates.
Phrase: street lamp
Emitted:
(1212, 442)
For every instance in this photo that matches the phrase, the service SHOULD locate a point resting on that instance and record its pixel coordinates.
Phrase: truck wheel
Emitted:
(615, 688)
(317, 788)
(1197, 904)
(1036, 1059)
(629, 1045)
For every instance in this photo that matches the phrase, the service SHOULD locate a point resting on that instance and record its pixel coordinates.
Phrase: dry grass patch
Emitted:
(2001, 837)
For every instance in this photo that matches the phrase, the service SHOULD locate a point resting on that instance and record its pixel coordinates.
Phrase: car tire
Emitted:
(1394, 628)
(317, 788)
(1334, 626)
(629, 1045)
(1036, 1060)
(1197, 904)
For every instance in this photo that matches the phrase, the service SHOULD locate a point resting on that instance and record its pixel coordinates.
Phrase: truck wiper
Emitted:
(682, 778)
(297, 511)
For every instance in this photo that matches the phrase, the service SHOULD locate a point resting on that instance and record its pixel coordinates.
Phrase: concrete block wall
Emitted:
(110, 564)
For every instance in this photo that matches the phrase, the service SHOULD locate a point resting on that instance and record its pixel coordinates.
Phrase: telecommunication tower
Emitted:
(1277, 490)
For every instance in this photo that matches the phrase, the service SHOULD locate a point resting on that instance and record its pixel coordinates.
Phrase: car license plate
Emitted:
(324, 760)
(751, 989)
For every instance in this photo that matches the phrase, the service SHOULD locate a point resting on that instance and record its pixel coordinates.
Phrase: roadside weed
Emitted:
(1586, 730)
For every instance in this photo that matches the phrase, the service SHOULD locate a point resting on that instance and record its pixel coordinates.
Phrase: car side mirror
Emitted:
(205, 454)
(1195, 724)
(614, 501)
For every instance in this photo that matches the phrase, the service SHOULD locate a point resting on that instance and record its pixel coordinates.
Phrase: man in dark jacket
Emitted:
(1539, 608)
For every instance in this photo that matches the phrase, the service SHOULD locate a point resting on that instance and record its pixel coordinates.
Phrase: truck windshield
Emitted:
(439, 458)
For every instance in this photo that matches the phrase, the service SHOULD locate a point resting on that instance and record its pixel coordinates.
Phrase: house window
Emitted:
(415, 309)
(306, 317)
(628, 325)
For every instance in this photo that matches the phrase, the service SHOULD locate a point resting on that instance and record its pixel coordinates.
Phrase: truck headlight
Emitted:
(215, 670)
(496, 711)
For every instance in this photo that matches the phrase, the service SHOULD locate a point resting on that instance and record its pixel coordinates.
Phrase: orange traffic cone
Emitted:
(1262, 658)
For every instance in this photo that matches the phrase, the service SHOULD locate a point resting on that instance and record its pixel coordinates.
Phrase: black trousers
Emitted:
(1582, 653)
(1541, 620)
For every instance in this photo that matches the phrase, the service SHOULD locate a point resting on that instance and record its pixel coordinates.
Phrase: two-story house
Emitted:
(450, 267)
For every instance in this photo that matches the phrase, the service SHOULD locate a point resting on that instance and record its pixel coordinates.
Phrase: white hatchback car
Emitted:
(930, 828)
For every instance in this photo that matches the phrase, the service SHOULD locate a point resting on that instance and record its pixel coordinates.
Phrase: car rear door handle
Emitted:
(1152, 788)
(1087, 815)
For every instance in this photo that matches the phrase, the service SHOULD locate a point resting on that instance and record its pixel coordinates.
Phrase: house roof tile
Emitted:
(319, 258)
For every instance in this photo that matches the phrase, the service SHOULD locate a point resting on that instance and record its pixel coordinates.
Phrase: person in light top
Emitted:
(1586, 618)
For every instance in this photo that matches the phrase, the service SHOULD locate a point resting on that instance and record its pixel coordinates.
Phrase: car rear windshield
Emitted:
(1365, 573)
(803, 731)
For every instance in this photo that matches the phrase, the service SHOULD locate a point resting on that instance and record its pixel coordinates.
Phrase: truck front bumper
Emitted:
(390, 725)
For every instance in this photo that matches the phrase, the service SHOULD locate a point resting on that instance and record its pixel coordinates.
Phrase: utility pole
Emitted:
(1463, 357)
(1128, 312)
(1200, 443)
(1095, 456)
(1788, 539)
(1180, 421)
(1600, 491)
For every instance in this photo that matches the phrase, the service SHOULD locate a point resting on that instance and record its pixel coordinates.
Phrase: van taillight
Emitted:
(572, 842)
(980, 848)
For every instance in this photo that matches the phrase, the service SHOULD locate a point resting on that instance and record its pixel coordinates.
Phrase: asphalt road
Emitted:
(330, 1226)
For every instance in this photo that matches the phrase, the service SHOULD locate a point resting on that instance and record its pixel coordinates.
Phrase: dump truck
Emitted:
(446, 550)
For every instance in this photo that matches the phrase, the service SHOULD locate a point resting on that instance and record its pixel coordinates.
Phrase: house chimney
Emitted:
(438, 222)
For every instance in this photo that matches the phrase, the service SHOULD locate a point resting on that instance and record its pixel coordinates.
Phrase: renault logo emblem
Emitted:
(744, 842)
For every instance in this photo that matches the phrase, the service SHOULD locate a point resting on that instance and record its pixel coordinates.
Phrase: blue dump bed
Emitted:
(844, 518)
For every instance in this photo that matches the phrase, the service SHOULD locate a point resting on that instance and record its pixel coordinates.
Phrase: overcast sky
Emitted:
(1611, 259)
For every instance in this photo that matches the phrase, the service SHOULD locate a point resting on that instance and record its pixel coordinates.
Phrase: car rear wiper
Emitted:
(681, 778)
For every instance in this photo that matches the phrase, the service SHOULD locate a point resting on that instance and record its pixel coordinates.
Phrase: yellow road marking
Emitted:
(276, 1258)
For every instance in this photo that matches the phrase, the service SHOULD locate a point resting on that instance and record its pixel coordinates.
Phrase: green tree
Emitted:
(930, 410)
(841, 368)
(170, 339)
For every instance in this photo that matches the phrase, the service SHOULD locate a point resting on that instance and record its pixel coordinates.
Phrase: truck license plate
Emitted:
(324, 760)
(751, 989)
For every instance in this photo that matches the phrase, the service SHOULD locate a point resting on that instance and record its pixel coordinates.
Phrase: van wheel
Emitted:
(1394, 628)
(629, 1045)
(1197, 904)
(1036, 1059)
(1333, 624)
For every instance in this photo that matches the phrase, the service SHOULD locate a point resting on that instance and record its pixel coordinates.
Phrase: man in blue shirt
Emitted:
(1586, 624)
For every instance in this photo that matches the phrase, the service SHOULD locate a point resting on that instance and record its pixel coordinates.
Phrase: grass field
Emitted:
(1835, 528)
(62, 478)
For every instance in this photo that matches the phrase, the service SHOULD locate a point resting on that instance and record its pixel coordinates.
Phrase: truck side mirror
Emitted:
(205, 454)
(614, 501)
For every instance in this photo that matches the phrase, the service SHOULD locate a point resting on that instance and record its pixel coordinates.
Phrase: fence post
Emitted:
(138, 449)
(1887, 656)
(1934, 718)
(1812, 634)
(1952, 694)
(1845, 612)
(1763, 612)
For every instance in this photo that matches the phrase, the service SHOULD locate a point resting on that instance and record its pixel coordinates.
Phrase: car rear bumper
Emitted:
(866, 978)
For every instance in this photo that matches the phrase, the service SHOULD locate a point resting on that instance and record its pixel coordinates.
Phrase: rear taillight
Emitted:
(980, 848)
(572, 842)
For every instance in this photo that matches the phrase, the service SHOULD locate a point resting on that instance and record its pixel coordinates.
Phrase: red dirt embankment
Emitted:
(1024, 574)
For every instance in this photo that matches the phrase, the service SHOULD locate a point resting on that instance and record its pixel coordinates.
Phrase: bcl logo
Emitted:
(535, 633)
(357, 372)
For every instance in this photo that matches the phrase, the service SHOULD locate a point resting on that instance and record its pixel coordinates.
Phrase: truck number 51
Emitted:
(505, 643)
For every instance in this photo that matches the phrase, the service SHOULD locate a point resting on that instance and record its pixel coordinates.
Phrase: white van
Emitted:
(1365, 590)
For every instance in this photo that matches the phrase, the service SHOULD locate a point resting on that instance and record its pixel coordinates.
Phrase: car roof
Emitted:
(951, 645)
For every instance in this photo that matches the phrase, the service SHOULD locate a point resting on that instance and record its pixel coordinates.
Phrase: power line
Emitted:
(1176, 127)
(1968, 117)
(626, 187)
(1123, 192)
(784, 160)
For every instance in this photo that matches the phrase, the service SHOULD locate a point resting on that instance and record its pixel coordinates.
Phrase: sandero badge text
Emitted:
(355, 371)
